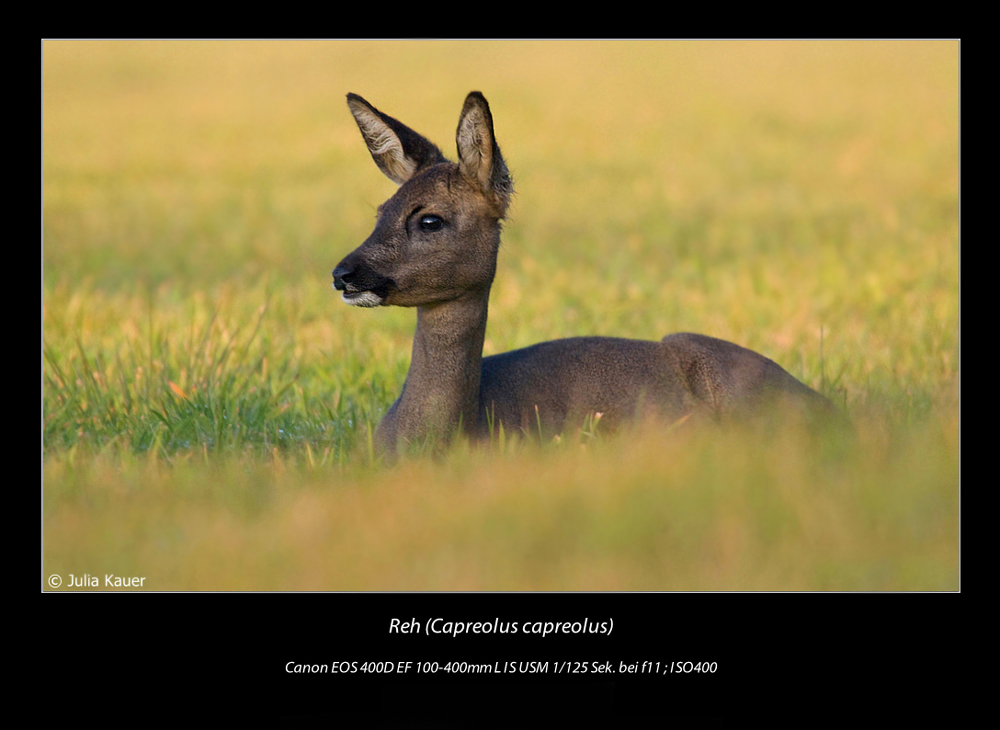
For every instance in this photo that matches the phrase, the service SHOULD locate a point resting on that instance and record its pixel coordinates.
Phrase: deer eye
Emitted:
(431, 222)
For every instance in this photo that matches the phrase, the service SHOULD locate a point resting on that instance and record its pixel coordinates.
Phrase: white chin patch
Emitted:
(362, 299)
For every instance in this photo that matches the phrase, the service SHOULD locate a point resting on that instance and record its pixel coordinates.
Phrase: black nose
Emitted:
(341, 276)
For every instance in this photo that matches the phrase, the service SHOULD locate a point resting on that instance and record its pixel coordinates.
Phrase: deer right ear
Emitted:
(398, 151)
(479, 155)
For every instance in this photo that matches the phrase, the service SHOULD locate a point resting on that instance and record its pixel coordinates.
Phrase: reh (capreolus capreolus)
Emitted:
(435, 246)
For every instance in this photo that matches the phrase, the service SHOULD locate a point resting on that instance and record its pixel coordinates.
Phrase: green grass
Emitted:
(208, 400)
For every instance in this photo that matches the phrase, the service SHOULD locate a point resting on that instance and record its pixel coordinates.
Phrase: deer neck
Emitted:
(442, 385)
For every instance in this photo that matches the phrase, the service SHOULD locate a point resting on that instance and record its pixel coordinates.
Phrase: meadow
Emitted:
(208, 401)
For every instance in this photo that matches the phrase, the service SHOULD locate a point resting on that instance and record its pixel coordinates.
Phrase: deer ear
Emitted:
(479, 155)
(398, 151)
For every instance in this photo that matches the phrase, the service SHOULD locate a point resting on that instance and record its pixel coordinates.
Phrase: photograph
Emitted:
(695, 328)
(482, 321)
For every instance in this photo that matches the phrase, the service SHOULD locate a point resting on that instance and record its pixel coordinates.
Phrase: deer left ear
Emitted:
(398, 151)
(479, 155)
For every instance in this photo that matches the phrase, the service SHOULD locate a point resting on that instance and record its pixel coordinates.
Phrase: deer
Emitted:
(435, 246)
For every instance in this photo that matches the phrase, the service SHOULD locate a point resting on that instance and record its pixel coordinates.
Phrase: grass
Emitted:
(208, 401)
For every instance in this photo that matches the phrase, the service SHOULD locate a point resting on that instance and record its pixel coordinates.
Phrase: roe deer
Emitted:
(434, 247)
